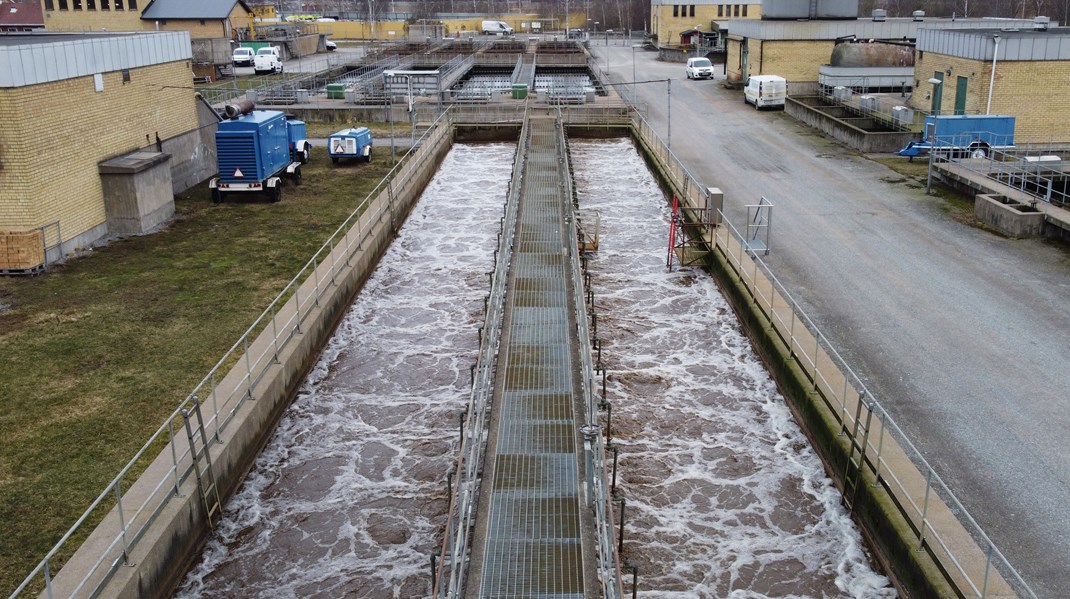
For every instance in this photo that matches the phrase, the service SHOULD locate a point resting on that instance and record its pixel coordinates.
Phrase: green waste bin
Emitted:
(520, 91)
(336, 91)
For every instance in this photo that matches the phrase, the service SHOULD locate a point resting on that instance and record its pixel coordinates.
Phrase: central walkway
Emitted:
(533, 537)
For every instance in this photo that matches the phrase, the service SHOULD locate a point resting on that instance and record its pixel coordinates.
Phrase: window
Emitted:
(49, 5)
(105, 4)
(63, 4)
(675, 10)
(118, 4)
(131, 5)
(202, 21)
(735, 10)
(90, 4)
(76, 5)
(692, 10)
(720, 10)
(744, 10)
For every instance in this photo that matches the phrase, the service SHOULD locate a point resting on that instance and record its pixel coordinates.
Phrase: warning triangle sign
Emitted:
(238, 173)
(339, 146)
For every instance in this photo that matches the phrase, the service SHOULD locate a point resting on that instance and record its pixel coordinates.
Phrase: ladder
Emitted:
(206, 483)
(852, 475)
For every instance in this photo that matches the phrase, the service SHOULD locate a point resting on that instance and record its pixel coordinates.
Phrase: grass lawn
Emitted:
(100, 350)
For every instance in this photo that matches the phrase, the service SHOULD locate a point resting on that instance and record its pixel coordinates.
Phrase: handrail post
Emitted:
(122, 522)
(925, 509)
(174, 452)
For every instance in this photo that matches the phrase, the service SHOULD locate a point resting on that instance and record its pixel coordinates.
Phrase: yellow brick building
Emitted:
(1032, 76)
(668, 21)
(796, 49)
(201, 18)
(59, 118)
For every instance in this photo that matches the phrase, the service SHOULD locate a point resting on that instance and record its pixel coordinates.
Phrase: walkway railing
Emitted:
(250, 359)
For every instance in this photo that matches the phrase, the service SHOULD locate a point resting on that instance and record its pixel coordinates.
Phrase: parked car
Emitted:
(331, 46)
(267, 60)
(699, 68)
(242, 57)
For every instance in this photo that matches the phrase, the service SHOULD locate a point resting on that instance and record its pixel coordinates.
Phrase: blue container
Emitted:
(350, 143)
(297, 135)
(253, 147)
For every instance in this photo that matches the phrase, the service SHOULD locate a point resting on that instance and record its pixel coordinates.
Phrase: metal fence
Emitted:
(247, 361)
(1040, 172)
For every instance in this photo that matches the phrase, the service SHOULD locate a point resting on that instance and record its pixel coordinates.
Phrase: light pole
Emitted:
(633, 76)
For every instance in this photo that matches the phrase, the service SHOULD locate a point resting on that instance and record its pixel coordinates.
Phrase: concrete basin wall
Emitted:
(165, 534)
(1009, 217)
(831, 121)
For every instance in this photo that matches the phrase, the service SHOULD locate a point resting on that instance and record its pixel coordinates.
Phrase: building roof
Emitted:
(1014, 43)
(32, 58)
(867, 28)
(159, 10)
(21, 14)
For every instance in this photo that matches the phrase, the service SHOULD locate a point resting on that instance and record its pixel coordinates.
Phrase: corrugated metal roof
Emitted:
(863, 28)
(29, 59)
(1015, 44)
(159, 10)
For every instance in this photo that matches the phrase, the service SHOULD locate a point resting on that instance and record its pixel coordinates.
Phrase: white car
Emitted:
(242, 57)
(331, 46)
(699, 68)
(267, 60)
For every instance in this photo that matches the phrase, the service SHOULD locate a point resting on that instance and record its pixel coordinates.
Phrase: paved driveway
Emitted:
(962, 335)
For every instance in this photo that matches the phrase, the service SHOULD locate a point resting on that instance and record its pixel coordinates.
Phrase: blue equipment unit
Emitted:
(350, 143)
(962, 135)
(300, 149)
(253, 150)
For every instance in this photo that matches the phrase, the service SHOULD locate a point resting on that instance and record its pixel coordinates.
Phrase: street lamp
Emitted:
(992, 80)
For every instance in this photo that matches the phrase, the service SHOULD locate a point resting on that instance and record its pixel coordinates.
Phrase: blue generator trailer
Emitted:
(255, 149)
(350, 143)
(963, 136)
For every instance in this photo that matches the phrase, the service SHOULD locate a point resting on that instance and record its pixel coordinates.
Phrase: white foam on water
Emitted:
(725, 498)
(348, 497)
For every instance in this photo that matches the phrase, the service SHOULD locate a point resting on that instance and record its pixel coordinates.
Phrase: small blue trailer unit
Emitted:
(254, 148)
(300, 148)
(350, 143)
(963, 135)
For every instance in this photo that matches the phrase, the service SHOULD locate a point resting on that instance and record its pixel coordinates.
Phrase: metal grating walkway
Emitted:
(531, 517)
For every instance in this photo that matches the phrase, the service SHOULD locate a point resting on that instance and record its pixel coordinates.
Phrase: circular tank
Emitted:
(873, 54)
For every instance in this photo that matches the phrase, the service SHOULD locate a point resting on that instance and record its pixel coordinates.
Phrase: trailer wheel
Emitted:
(275, 194)
(296, 176)
(217, 196)
(305, 155)
(368, 158)
(334, 159)
(979, 150)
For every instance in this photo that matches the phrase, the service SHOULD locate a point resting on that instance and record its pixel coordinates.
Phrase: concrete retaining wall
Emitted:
(859, 139)
(174, 533)
(1011, 218)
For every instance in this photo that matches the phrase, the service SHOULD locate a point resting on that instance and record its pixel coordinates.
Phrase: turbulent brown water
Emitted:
(724, 496)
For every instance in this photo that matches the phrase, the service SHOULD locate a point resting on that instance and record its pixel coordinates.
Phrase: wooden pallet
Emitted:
(21, 252)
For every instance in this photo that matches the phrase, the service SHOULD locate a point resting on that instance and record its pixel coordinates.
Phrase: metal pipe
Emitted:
(992, 79)
(620, 534)
(613, 487)
(635, 577)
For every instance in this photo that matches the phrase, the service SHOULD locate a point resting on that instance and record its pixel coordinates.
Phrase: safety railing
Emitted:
(220, 394)
(969, 559)
(1039, 173)
(452, 568)
(598, 488)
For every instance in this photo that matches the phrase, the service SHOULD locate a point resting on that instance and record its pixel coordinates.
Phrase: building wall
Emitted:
(668, 27)
(50, 156)
(197, 29)
(58, 18)
(794, 60)
(1041, 111)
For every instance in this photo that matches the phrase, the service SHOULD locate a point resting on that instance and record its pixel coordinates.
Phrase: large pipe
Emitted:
(239, 108)
(992, 80)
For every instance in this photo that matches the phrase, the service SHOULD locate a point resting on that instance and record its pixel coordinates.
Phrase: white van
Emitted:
(765, 91)
(496, 28)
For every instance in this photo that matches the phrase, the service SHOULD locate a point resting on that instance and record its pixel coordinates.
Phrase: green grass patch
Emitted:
(99, 351)
(319, 130)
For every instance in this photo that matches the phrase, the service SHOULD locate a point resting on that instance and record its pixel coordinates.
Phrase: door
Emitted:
(938, 95)
(960, 95)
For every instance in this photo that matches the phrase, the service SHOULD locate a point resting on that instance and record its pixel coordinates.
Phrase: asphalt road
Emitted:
(961, 335)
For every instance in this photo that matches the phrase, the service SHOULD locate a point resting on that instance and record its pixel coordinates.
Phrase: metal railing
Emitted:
(241, 368)
(1038, 173)
(453, 567)
(966, 555)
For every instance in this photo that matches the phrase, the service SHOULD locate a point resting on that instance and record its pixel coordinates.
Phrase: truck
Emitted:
(496, 28)
(963, 135)
(255, 149)
(267, 60)
(350, 143)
